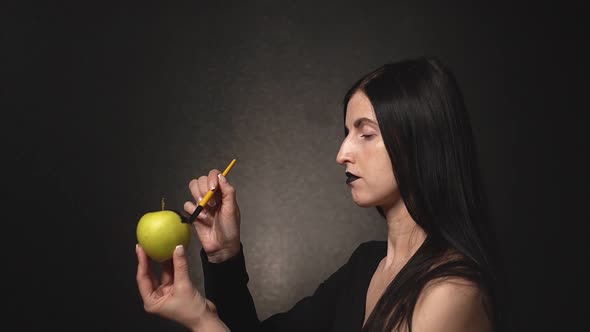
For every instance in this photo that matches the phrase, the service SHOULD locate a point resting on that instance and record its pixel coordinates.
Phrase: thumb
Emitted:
(228, 192)
(181, 272)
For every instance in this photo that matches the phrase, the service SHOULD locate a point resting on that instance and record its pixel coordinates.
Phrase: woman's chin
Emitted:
(363, 203)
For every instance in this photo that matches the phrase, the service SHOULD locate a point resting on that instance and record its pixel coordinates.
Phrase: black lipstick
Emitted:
(350, 177)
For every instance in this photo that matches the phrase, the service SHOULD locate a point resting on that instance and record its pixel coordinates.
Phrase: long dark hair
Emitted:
(427, 132)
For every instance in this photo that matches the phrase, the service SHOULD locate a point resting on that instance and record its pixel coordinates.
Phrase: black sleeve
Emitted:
(226, 286)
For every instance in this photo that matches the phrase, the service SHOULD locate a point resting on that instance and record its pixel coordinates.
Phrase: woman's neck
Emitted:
(404, 236)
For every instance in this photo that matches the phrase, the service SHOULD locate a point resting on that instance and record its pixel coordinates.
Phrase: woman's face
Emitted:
(369, 170)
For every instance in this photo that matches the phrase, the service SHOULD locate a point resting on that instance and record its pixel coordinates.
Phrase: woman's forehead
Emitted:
(359, 106)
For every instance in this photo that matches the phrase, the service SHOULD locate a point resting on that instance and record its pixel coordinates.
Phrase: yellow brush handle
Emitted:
(211, 192)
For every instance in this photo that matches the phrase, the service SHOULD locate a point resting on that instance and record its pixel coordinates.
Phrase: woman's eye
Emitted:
(367, 135)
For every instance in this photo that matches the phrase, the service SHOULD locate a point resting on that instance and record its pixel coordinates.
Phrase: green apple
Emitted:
(159, 233)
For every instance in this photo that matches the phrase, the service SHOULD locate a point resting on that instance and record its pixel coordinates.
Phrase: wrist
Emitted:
(224, 254)
(210, 323)
(212, 326)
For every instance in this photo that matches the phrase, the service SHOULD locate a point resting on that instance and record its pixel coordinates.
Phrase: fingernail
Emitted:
(212, 186)
(222, 178)
(202, 215)
(180, 250)
(136, 245)
(200, 199)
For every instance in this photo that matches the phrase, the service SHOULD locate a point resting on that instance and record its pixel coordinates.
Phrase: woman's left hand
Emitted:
(174, 297)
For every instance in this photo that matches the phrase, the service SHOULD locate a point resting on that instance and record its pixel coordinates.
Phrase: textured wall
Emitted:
(115, 106)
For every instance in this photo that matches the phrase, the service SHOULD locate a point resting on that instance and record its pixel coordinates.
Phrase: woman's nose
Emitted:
(343, 155)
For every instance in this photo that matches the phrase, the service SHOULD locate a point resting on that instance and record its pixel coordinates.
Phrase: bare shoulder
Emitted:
(451, 304)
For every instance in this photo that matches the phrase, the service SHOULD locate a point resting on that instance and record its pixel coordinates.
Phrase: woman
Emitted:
(409, 152)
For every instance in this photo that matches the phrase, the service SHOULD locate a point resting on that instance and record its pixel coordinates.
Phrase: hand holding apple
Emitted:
(174, 297)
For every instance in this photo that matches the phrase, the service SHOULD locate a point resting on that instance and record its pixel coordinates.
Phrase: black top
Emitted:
(338, 304)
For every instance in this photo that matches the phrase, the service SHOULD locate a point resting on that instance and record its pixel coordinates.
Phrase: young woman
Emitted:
(408, 151)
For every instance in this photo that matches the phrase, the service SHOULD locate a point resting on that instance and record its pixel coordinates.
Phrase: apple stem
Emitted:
(163, 203)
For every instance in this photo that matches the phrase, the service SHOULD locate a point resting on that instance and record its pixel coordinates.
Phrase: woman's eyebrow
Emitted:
(361, 121)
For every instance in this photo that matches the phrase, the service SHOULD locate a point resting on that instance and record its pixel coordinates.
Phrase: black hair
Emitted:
(427, 133)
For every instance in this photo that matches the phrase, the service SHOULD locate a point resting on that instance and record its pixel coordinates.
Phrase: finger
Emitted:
(212, 179)
(181, 270)
(195, 188)
(167, 272)
(189, 207)
(148, 265)
(203, 218)
(215, 199)
(198, 189)
(228, 192)
(204, 187)
(146, 279)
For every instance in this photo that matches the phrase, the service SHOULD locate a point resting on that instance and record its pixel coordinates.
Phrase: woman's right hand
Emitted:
(218, 225)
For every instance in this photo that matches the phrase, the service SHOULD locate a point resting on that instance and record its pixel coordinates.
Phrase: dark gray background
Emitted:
(109, 106)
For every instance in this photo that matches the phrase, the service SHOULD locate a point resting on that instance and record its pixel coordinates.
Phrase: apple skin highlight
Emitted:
(159, 232)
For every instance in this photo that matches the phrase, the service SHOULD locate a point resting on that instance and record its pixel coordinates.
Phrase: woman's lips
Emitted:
(350, 177)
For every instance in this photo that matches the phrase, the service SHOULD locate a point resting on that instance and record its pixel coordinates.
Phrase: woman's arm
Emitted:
(226, 286)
